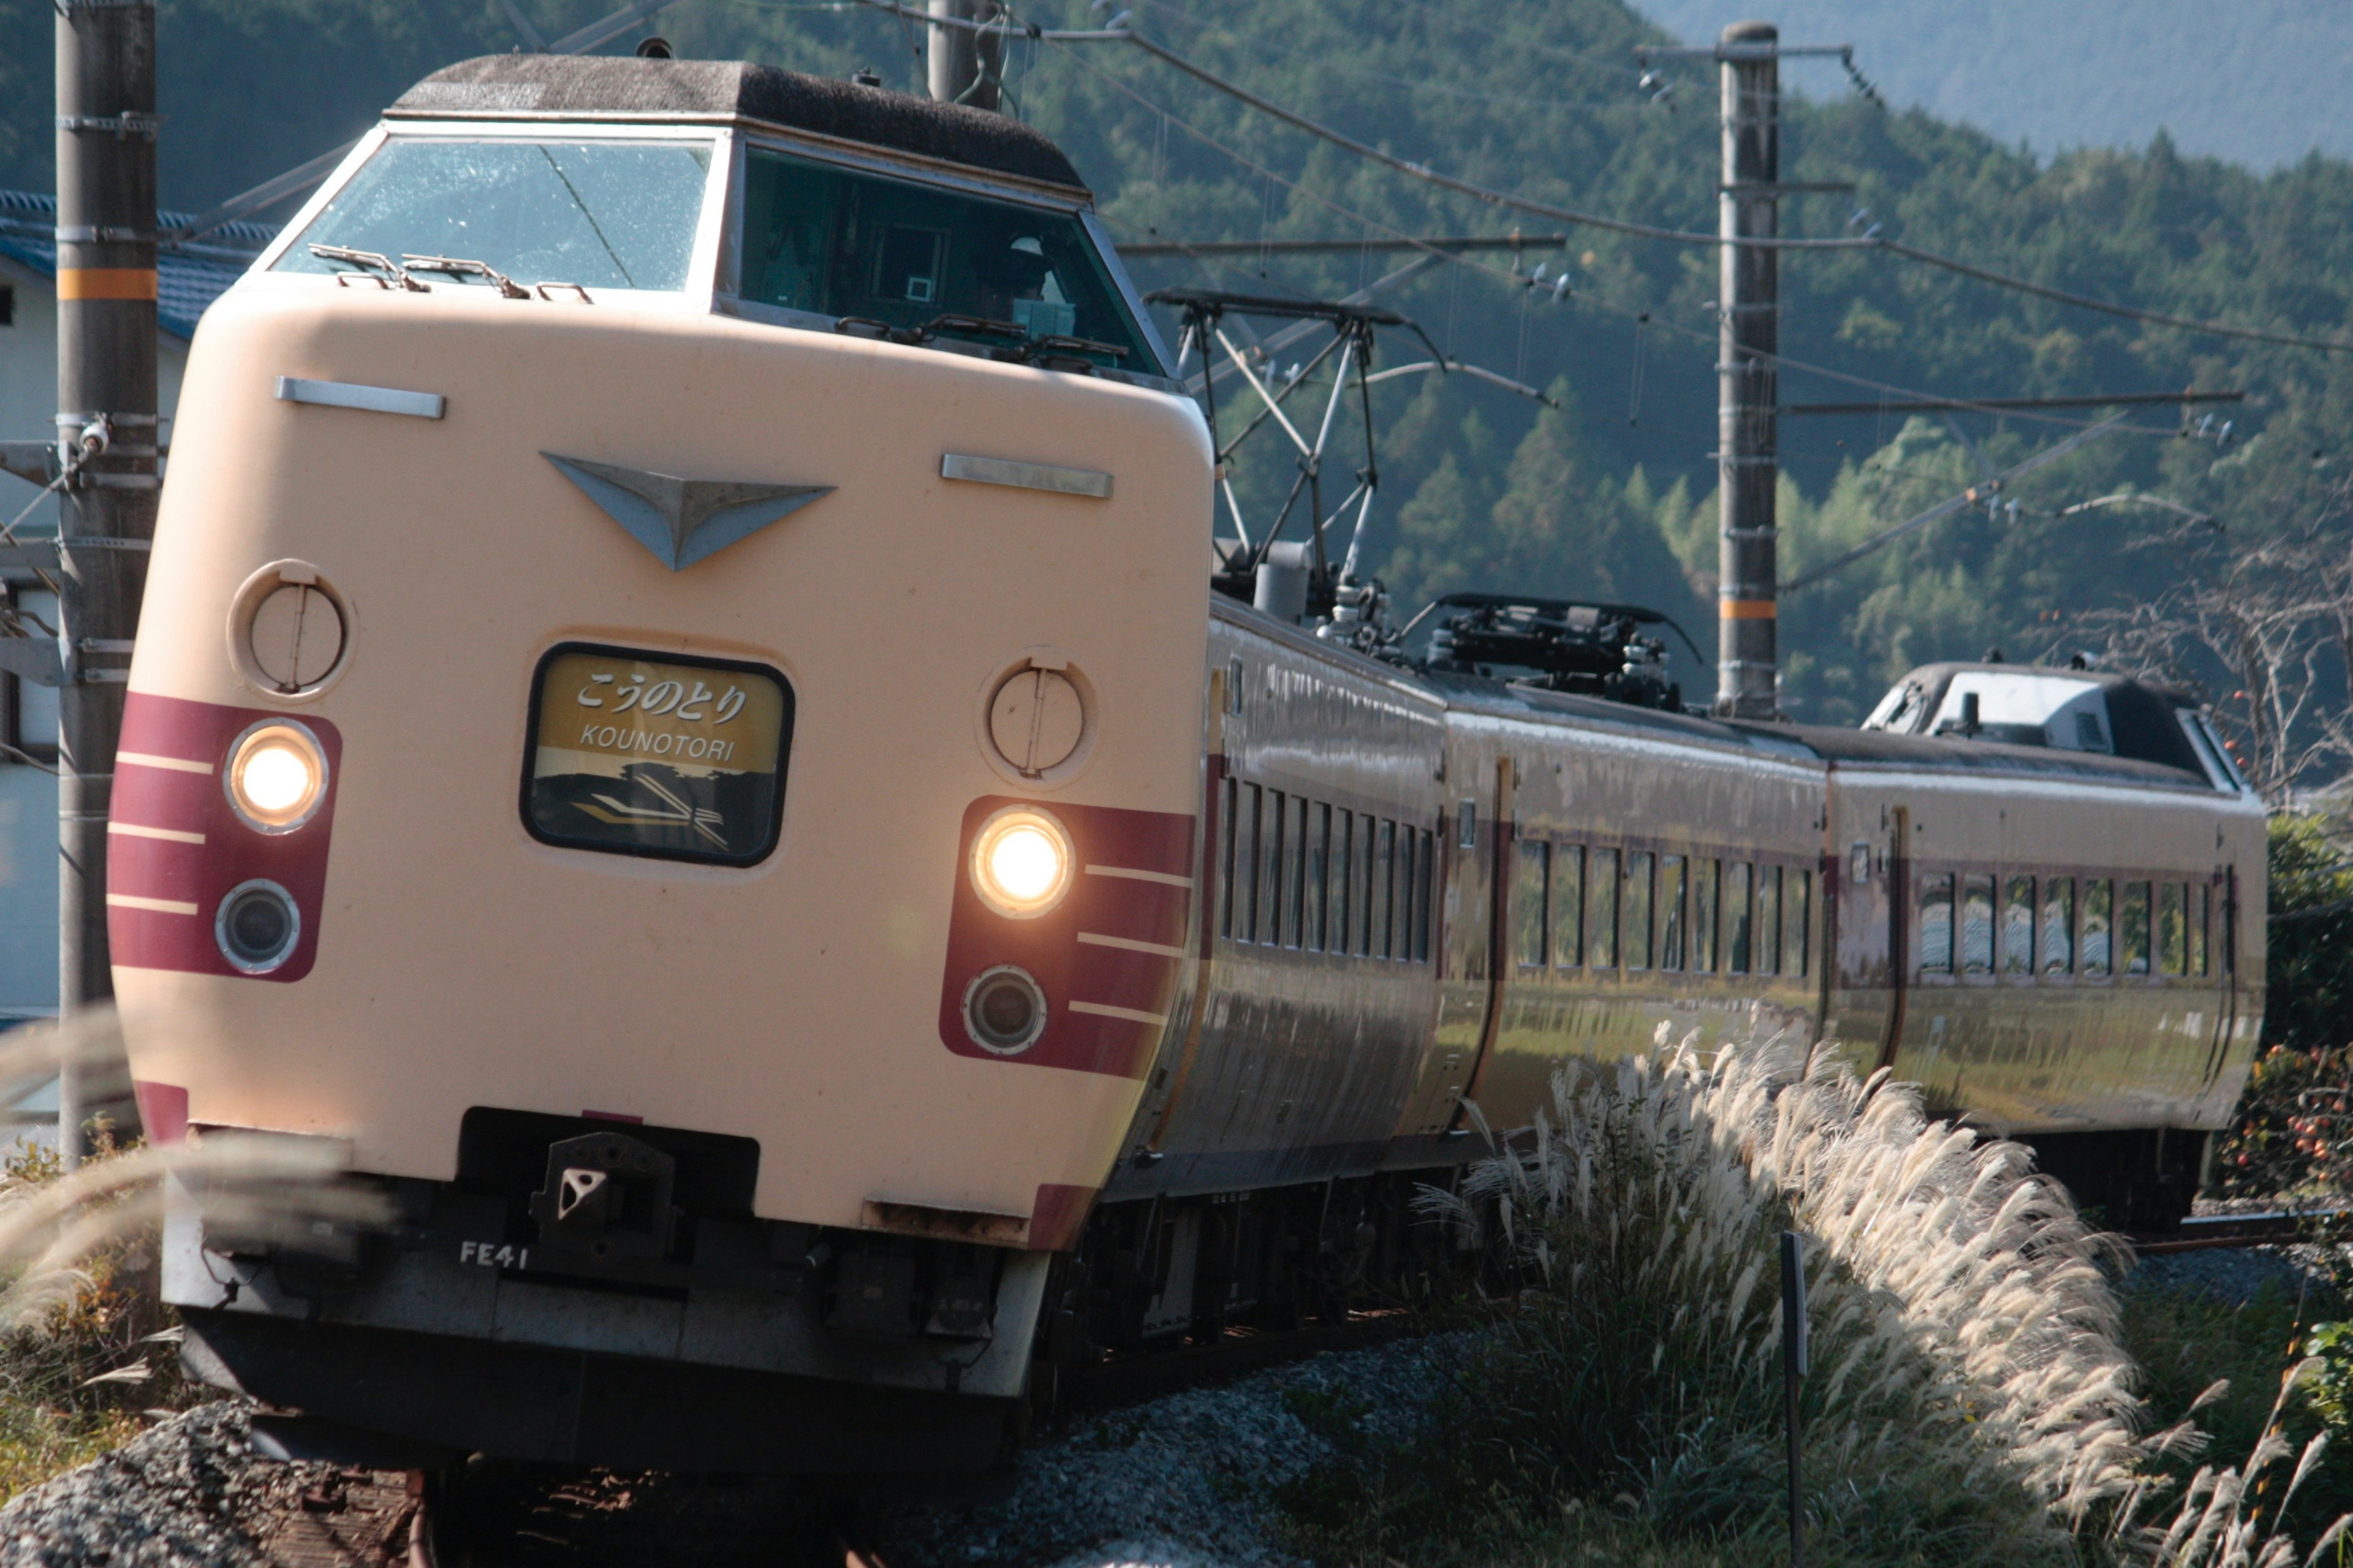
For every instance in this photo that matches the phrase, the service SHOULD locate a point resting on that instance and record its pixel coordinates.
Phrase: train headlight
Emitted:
(1004, 1010)
(277, 775)
(1022, 862)
(256, 926)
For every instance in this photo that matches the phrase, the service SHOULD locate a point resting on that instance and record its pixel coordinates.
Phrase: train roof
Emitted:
(1954, 754)
(1820, 744)
(1936, 677)
(597, 87)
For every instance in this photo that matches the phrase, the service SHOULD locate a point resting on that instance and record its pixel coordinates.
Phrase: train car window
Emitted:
(1766, 960)
(1246, 926)
(2200, 896)
(2098, 896)
(835, 243)
(1270, 867)
(1385, 901)
(1567, 905)
(1319, 852)
(1937, 923)
(2172, 922)
(1344, 841)
(1703, 875)
(1636, 939)
(1370, 889)
(1976, 925)
(1739, 906)
(603, 213)
(1672, 912)
(1797, 908)
(2132, 929)
(2018, 926)
(673, 759)
(1601, 910)
(1466, 824)
(1296, 898)
(1425, 858)
(1229, 892)
(1528, 890)
(2058, 925)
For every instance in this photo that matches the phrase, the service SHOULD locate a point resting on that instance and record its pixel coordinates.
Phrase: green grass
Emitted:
(100, 1320)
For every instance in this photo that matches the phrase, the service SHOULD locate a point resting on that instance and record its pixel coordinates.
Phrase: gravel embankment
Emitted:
(1180, 1482)
(187, 1494)
(1184, 1481)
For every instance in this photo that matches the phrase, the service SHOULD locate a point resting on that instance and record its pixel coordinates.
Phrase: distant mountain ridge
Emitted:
(2260, 82)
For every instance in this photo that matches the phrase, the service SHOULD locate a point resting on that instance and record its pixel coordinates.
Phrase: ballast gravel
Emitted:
(1184, 1481)
(188, 1493)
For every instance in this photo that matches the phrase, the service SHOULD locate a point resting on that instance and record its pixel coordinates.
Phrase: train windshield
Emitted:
(923, 263)
(601, 214)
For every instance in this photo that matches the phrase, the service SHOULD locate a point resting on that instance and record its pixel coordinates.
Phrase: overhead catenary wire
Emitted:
(1970, 497)
(1436, 250)
(1879, 243)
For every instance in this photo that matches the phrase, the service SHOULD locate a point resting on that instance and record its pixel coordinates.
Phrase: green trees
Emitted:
(1480, 488)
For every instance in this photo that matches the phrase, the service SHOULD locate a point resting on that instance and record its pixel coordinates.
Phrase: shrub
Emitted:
(1971, 1402)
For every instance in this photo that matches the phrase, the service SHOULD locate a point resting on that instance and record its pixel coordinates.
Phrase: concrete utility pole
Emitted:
(1747, 336)
(965, 65)
(107, 429)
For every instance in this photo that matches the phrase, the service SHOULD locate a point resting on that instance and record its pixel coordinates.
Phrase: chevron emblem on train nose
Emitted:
(680, 520)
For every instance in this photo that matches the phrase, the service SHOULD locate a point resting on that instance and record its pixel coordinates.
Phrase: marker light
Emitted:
(1021, 862)
(277, 775)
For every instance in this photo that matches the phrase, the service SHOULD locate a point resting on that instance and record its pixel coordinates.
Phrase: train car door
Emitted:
(1896, 886)
(2222, 951)
(1477, 837)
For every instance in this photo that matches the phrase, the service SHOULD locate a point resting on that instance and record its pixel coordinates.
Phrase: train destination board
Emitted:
(681, 759)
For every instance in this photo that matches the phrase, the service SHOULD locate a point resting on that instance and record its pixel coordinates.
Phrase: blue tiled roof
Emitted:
(188, 278)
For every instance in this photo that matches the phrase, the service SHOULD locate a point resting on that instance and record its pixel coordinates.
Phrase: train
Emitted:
(681, 733)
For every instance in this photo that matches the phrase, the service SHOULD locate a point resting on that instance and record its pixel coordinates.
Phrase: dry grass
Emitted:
(87, 1348)
(1971, 1402)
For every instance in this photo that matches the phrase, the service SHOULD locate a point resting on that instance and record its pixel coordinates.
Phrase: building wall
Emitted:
(28, 797)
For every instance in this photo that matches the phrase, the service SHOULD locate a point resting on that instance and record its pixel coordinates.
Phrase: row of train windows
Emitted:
(2126, 928)
(1302, 873)
(1595, 909)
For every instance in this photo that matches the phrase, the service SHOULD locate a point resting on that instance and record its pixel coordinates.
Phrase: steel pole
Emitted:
(1748, 337)
(965, 66)
(107, 424)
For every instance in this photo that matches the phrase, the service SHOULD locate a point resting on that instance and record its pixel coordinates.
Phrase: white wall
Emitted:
(28, 797)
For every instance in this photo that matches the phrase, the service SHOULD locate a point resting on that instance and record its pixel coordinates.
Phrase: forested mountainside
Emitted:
(1609, 496)
(2264, 90)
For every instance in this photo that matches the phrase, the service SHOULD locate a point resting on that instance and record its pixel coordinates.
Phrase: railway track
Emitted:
(521, 1516)
(2202, 1233)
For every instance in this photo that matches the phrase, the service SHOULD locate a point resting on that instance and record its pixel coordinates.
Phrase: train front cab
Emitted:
(666, 735)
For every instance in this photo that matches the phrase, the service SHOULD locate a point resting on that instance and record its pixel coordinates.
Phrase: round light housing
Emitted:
(1022, 862)
(1004, 1010)
(277, 775)
(256, 926)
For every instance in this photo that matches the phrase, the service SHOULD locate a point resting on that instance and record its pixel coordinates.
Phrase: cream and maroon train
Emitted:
(681, 724)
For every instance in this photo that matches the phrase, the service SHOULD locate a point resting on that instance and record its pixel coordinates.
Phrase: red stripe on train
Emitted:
(163, 894)
(1104, 1001)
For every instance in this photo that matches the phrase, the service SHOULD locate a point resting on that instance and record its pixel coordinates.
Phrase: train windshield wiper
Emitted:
(466, 267)
(369, 264)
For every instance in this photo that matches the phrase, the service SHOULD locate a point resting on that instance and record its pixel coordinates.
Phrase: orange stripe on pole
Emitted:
(1743, 609)
(106, 283)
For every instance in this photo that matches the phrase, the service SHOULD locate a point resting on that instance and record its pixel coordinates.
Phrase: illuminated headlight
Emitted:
(1021, 862)
(277, 775)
